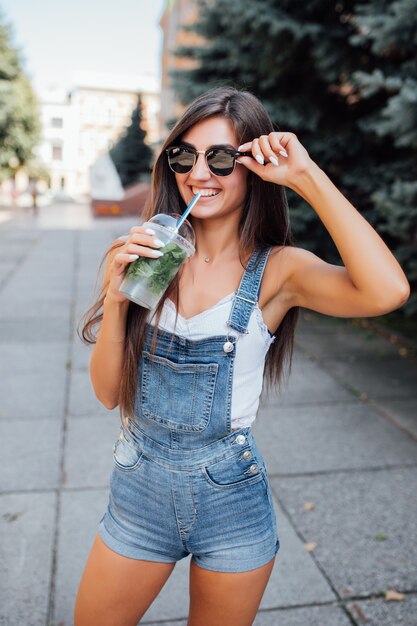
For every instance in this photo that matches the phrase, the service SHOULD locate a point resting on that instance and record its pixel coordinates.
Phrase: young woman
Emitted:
(188, 476)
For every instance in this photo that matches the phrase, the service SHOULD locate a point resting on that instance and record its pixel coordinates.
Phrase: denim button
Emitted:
(247, 455)
(240, 439)
(254, 468)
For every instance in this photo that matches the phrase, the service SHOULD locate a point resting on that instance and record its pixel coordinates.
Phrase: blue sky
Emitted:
(60, 38)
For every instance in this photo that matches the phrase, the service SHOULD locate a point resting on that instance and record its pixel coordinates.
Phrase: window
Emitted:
(57, 153)
(57, 122)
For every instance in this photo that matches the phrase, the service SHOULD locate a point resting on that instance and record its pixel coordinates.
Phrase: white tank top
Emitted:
(251, 350)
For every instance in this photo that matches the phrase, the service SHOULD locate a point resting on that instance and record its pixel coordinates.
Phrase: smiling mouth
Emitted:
(205, 192)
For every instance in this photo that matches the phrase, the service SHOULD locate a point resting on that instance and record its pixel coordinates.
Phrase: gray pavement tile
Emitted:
(309, 616)
(12, 236)
(30, 287)
(387, 378)
(42, 269)
(31, 453)
(27, 532)
(90, 465)
(325, 438)
(21, 358)
(33, 330)
(308, 384)
(295, 578)
(14, 250)
(382, 613)
(43, 272)
(404, 412)
(87, 296)
(362, 523)
(7, 268)
(89, 278)
(347, 346)
(82, 400)
(80, 355)
(80, 514)
(32, 395)
(22, 306)
(90, 239)
(80, 310)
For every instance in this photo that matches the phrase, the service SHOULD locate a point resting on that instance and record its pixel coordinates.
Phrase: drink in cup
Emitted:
(147, 278)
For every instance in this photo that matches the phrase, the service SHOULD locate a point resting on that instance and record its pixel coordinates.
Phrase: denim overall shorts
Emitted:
(183, 482)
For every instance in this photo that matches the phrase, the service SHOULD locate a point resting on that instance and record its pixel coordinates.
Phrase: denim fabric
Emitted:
(183, 482)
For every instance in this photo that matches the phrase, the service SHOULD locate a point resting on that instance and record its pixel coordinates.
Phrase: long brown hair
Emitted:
(264, 221)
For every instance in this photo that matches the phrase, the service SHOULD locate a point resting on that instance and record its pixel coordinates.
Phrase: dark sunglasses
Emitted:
(220, 161)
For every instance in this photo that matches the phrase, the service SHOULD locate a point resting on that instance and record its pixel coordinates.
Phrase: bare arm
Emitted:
(106, 359)
(371, 281)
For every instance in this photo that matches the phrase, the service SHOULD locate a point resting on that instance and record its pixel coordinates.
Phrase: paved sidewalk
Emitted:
(339, 444)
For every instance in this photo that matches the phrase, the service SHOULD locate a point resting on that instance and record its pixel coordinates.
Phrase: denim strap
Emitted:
(247, 295)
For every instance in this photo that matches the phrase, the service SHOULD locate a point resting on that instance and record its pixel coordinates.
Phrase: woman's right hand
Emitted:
(141, 242)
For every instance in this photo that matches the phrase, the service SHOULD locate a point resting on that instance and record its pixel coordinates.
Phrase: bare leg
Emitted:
(218, 598)
(116, 590)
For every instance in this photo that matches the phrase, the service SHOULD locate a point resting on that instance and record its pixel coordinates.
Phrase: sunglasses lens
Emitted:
(221, 162)
(181, 160)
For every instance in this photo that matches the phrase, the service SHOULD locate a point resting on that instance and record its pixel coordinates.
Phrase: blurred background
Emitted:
(88, 92)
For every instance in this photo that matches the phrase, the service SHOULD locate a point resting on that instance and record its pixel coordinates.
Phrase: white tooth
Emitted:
(205, 192)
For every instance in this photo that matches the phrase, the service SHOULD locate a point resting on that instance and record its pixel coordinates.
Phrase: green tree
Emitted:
(19, 117)
(340, 74)
(131, 155)
(389, 31)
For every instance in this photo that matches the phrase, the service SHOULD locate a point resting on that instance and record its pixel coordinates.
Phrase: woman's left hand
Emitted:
(280, 158)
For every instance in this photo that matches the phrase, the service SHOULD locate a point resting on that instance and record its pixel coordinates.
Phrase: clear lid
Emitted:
(185, 231)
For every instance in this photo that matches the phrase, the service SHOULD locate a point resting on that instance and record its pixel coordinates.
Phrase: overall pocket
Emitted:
(125, 455)
(178, 396)
(239, 470)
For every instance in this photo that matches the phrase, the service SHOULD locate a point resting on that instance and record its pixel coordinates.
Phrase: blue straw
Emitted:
(187, 211)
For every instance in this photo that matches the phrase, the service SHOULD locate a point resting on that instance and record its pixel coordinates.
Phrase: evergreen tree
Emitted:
(342, 76)
(19, 117)
(131, 155)
(389, 31)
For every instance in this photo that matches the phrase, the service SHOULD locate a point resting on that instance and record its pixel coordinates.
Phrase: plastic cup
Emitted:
(147, 278)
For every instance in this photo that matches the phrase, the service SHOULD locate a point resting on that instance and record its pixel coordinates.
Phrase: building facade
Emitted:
(80, 126)
(177, 13)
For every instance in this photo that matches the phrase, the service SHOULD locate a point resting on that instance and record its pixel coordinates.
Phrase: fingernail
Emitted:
(240, 147)
(133, 257)
(283, 153)
(156, 253)
(260, 159)
(150, 231)
(274, 160)
(158, 242)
